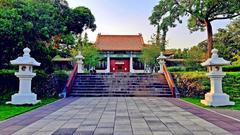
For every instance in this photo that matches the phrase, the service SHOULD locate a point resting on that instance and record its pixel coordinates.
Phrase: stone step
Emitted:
(120, 84)
(119, 94)
(119, 75)
(118, 90)
(121, 88)
(118, 78)
(129, 86)
(123, 82)
(126, 82)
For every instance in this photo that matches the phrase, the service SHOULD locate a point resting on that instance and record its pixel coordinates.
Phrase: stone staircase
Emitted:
(120, 84)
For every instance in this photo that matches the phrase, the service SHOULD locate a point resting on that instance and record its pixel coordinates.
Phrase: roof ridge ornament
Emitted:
(26, 52)
(214, 53)
(161, 57)
(215, 60)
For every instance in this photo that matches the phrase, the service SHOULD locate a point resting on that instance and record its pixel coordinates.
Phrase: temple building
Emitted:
(120, 53)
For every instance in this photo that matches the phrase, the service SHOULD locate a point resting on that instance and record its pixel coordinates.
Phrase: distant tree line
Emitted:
(226, 40)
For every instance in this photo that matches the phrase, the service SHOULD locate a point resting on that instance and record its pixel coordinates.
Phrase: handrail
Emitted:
(170, 82)
(71, 79)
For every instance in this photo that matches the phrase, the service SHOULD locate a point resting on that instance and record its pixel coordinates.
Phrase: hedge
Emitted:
(44, 85)
(196, 84)
(231, 68)
(176, 69)
(184, 68)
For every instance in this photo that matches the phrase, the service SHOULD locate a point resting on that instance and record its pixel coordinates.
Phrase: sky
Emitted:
(130, 17)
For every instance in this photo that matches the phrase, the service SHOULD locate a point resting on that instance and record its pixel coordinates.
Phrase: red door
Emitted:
(113, 67)
(119, 66)
(125, 67)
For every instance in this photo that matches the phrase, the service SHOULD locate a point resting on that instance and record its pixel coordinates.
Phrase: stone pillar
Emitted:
(161, 62)
(131, 63)
(25, 75)
(108, 63)
(80, 58)
(216, 97)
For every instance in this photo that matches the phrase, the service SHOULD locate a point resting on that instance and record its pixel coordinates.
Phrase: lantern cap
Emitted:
(79, 56)
(215, 60)
(161, 57)
(26, 59)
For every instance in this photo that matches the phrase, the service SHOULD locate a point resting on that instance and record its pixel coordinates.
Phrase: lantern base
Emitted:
(213, 99)
(160, 71)
(21, 99)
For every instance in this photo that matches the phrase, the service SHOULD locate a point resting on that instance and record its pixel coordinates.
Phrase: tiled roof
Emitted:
(119, 42)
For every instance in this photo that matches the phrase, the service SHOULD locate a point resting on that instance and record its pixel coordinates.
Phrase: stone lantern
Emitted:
(25, 75)
(216, 97)
(80, 59)
(161, 62)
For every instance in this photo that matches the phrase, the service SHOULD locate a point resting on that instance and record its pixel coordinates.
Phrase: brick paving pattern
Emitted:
(226, 123)
(121, 116)
(16, 123)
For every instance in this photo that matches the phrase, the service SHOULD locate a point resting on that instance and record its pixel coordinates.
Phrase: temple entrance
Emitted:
(119, 65)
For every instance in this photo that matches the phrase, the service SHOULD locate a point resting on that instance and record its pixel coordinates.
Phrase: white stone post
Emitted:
(216, 97)
(80, 58)
(161, 62)
(131, 64)
(25, 75)
(108, 64)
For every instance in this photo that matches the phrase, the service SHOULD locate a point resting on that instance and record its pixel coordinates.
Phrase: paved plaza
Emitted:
(122, 116)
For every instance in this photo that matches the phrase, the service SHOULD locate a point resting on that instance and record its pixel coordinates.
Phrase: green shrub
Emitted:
(231, 68)
(61, 73)
(41, 73)
(176, 69)
(191, 84)
(43, 84)
(7, 71)
(196, 84)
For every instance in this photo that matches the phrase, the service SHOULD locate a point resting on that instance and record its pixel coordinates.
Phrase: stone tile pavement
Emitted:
(14, 124)
(221, 117)
(232, 113)
(122, 116)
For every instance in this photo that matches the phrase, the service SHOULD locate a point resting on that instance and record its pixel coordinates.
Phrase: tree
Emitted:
(160, 40)
(28, 24)
(149, 55)
(68, 39)
(35, 24)
(195, 56)
(201, 13)
(91, 55)
(164, 16)
(226, 40)
(81, 19)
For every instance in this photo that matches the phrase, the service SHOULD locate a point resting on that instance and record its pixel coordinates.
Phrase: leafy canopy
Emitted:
(200, 12)
(149, 55)
(36, 24)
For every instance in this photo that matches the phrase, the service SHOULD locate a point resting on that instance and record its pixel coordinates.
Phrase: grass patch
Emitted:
(8, 111)
(196, 101)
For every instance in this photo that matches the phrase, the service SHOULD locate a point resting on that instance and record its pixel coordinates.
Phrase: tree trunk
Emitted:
(210, 37)
(164, 40)
(158, 37)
